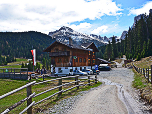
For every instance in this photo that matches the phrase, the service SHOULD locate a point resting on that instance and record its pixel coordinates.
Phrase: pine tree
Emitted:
(114, 48)
(108, 51)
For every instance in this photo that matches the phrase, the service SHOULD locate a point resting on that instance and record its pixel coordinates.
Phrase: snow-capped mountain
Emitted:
(64, 33)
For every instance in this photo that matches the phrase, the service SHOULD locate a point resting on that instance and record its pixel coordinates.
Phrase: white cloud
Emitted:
(108, 30)
(144, 9)
(80, 26)
(100, 30)
(48, 15)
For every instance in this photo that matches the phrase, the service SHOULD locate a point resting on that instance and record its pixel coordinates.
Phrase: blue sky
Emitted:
(101, 17)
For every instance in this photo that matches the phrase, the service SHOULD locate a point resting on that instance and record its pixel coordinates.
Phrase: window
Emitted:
(59, 69)
(93, 61)
(84, 60)
(64, 49)
(89, 53)
(93, 53)
(88, 60)
(59, 60)
(76, 60)
(56, 50)
(66, 60)
(80, 60)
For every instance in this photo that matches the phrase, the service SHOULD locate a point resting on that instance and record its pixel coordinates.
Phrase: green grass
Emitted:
(17, 64)
(20, 59)
(144, 63)
(139, 81)
(12, 66)
(8, 85)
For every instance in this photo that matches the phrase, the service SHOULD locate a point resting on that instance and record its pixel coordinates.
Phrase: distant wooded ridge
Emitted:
(18, 44)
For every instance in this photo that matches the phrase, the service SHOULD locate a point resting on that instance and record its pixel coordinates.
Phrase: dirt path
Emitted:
(102, 100)
(116, 96)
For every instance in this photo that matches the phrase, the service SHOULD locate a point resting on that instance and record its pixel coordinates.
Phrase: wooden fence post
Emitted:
(144, 72)
(76, 83)
(20, 74)
(43, 77)
(60, 88)
(14, 73)
(75, 80)
(27, 72)
(148, 74)
(151, 74)
(30, 77)
(89, 80)
(29, 101)
(96, 78)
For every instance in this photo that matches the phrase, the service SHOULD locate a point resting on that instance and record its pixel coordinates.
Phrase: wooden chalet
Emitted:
(72, 55)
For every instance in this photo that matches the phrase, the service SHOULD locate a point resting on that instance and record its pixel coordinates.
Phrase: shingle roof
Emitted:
(74, 46)
(87, 44)
(103, 60)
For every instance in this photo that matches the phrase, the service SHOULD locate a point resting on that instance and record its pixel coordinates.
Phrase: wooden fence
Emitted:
(146, 72)
(14, 73)
(77, 82)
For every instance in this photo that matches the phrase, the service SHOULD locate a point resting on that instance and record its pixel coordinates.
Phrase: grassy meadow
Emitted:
(140, 82)
(8, 85)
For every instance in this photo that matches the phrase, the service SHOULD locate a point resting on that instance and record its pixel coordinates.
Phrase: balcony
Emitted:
(59, 54)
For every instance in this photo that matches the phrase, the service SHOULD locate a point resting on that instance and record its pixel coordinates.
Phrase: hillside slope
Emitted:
(19, 44)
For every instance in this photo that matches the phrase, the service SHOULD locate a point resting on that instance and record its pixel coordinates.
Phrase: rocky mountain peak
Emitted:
(64, 33)
(64, 28)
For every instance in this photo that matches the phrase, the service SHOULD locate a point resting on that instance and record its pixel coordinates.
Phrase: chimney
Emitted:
(70, 41)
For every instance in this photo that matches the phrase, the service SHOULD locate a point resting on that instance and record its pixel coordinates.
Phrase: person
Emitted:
(44, 70)
(41, 71)
(37, 70)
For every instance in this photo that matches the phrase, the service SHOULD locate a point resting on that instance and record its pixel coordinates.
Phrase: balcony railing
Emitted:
(58, 54)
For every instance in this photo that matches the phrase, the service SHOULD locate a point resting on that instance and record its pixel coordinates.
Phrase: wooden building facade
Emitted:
(72, 55)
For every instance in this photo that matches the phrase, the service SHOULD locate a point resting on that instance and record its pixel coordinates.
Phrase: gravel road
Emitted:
(115, 96)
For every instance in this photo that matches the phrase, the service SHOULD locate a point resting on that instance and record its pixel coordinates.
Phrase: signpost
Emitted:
(96, 67)
(74, 57)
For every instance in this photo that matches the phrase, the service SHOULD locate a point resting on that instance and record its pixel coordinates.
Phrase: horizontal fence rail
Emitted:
(76, 82)
(146, 72)
(14, 73)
